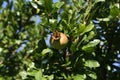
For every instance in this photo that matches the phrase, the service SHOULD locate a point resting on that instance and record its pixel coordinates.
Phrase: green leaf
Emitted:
(114, 11)
(53, 23)
(34, 5)
(38, 75)
(103, 19)
(59, 4)
(64, 25)
(31, 65)
(96, 1)
(91, 45)
(45, 51)
(81, 28)
(1, 30)
(39, 2)
(48, 5)
(50, 77)
(78, 44)
(88, 28)
(91, 35)
(79, 77)
(2, 78)
(92, 63)
(93, 76)
(23, 74)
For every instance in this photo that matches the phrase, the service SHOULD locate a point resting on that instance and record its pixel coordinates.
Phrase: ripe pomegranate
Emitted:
(58, 40)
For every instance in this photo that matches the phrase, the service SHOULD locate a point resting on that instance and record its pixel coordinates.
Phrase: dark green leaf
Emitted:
(115, 11)
(41, 44)
(48, 5)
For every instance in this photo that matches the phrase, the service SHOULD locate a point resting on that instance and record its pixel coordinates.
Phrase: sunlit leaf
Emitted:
(91, 45)
(82, 28)
(32, 65)
(99, 1)
(58, 4)
(50, 77)
(34, 5)
(45, 51)
(38, 75)
(2, 78)
(103, 19)
(93, 75)
(87, 28)
(79, 77)
(91, 35)
(53, 23)
(23, 74)
(92, 63)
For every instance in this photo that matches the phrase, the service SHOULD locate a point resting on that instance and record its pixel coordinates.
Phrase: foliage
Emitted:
(93, 29)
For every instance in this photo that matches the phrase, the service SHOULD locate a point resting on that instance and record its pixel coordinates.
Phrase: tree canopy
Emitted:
(92, 28)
